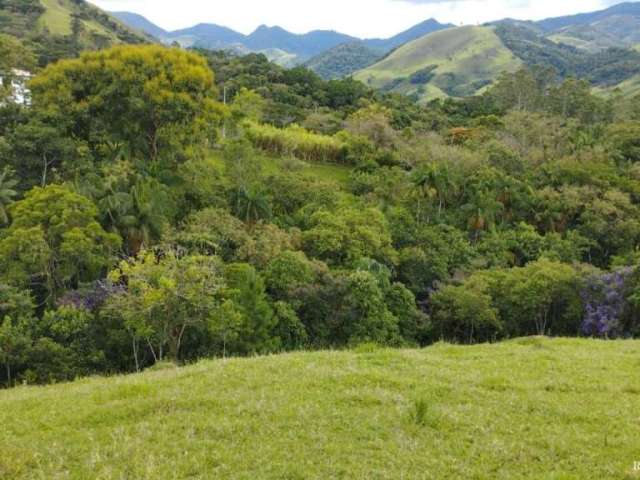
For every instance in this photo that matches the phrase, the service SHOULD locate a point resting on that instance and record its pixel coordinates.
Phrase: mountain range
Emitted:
(277, 43)
(429, 60)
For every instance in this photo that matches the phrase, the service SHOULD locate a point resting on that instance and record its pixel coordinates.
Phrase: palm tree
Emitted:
(7, 193)
(432, 181)
(252, 204)
(144, 220)
(483, 211)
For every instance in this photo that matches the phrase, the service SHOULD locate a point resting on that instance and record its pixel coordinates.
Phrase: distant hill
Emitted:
(343, 60)
(56, 29)
(304, 46)
(617, 26)
(628, 9)
(278, 44)
(424, 28)
(601, 47)
(455, 62)
(140, 23)
(205, 35)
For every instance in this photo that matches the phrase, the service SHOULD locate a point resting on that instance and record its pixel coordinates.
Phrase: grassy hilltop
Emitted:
(530, 408)
(454, 62)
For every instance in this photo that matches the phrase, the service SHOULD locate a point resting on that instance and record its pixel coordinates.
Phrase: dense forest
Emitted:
(160, 205)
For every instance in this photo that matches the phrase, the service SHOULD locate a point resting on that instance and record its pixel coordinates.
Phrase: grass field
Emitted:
(465, 58)
(629, 88)
(327, 172)
(58, 15)
(532, 408)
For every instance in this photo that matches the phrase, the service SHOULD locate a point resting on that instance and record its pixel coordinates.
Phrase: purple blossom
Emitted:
(605, 302)
(91, 297)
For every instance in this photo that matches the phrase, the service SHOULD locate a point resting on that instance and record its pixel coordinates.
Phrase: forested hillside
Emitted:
(343, 60)
(143, 219)
(597, 47)
(456, 62)
(55, 29)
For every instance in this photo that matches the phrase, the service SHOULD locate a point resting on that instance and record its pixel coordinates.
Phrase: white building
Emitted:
(19, 94)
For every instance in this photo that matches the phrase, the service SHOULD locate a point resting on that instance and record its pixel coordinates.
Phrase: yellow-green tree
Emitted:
(149, 103)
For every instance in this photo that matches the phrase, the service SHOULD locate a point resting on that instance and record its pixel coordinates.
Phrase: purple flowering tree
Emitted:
(605, 302)
(92, 297)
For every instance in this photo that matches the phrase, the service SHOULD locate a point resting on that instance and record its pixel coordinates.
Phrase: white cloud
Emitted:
(362, 18)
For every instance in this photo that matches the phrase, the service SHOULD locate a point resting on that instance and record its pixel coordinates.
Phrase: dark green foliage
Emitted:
(343, 60)
(236, 232)
(608, 67)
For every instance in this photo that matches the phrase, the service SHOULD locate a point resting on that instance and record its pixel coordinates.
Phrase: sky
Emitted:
(360, 18)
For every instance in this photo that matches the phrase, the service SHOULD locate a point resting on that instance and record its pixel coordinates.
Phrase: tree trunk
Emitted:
(135, 354)
(8, 367)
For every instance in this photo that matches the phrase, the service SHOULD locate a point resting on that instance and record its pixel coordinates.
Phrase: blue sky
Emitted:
(362, 18)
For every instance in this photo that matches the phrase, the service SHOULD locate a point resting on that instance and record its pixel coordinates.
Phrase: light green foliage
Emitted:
(624, 139)
(339, 404)
(346, 235)
(55, 238)
(540, 297)
(13, 54)
(289, 329)
(225, 324)
(298, 142)
(465, 313)
(266, 242)
(288, 271)
(212, 232)
(165, 296)
(248, 105)
(370, 320)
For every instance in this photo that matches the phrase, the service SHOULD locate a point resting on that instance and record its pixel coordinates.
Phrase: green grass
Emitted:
(628, 89)
(327, 172)
(531, 408)
(57, 17)
(464, 56)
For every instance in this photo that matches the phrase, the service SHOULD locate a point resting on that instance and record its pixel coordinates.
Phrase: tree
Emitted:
(225, 324)
(533, 299)
(245, 288)
(212, 231)
(137, 207)
(465, 313)
(344, 236)
(287, 272)
(367, 318)
(7, 193)
(165, 295)
(55, 238)
(252, 204)
(13, 55)
(149, 100)
(13, 344)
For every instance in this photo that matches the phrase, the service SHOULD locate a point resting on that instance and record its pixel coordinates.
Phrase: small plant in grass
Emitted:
(420, 412)
(162, 366)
